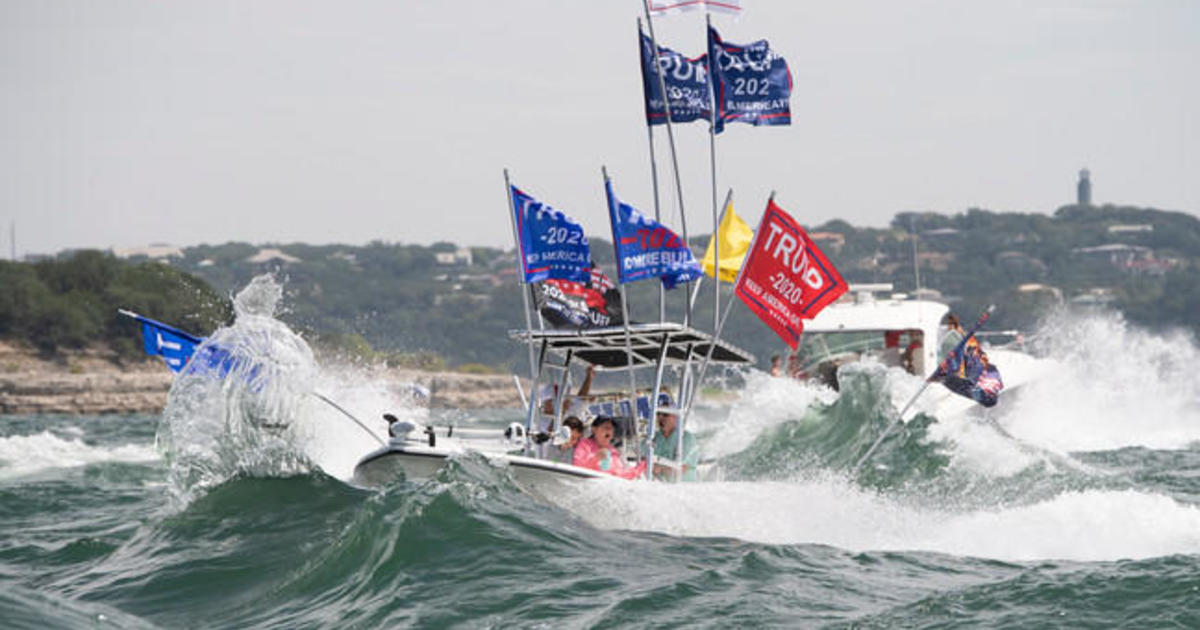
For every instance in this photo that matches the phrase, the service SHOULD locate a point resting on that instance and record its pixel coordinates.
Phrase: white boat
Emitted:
(872, 321)
(419, 452)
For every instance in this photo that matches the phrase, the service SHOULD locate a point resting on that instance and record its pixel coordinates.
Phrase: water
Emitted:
(1078, 507)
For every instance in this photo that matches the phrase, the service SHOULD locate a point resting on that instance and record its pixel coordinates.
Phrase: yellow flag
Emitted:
(735, 238)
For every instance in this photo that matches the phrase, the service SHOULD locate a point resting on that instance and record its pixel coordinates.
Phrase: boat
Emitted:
(667, 348)
(872, 322)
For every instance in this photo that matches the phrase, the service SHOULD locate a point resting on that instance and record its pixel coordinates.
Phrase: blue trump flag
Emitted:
(752, 83)
(686, 80)
(553, 244)
(647, 249)
(177, 349)
(173, 345)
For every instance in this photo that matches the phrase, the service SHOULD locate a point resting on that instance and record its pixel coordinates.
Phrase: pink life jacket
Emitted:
(588, 454)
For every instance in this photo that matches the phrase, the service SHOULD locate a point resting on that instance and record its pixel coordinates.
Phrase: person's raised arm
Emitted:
(586, 387)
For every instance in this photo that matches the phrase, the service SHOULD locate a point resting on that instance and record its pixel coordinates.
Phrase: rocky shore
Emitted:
(90, 382)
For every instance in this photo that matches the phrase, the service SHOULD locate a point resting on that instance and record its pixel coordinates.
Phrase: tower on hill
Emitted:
(1083, 190)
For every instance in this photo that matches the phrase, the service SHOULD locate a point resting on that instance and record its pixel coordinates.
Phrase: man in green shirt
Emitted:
(666, 445)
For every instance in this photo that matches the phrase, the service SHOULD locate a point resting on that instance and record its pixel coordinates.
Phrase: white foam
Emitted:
(1087, 526)
(333, 440)
(765, 402)
(25, 454)
(1116, 386)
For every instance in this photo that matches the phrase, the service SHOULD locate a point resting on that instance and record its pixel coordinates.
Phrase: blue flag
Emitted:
(647, 249)
(173, 345)
(553, 244)
(753, 83)
(687, 85)
(177, 348)
(967, 371)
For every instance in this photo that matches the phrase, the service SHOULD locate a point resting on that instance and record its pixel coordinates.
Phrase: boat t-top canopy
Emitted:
(606, 348)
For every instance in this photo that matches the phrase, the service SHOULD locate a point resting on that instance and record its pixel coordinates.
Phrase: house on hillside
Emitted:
(1020, 263)
(154, 251)
(270, 254)
(827, 241)
(940, 234)
(1135, 259)
(937, 261)
(461, 256)
(1035, 288)
(1141, 228)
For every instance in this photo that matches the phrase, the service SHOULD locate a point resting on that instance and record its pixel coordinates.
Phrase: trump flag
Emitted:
(646, 248)
(752, 83)
(786, 278)
(553, 244)
(686, 81)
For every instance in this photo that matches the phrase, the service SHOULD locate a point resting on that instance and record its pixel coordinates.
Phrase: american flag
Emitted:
(601, 282)
(664, 7)
(990, 382)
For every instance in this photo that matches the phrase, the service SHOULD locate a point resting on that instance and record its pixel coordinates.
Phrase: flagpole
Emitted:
(624, 301)
(721, 326)
(717, 252)
(525, 299)
(716, 268)
(712, 160)
(662, 293)
(662, 89)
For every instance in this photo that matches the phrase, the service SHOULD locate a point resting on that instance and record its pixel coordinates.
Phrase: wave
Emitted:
(22, 455)
(1115, 386)
(1089, 525)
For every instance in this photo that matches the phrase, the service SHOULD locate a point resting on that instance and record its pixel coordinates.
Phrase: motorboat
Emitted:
(873, 322)
(419, 452)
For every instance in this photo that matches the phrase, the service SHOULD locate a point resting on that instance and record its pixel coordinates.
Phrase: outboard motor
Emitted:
(515, 433)
(397, 428)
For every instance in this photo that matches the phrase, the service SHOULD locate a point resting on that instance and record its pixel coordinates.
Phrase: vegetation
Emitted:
(441, 307)
(73, 302)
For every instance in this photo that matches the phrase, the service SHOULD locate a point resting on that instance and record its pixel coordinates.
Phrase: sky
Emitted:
(130, 122)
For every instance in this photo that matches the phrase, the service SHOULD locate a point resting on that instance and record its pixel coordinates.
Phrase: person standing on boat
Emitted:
(666, 445)
(913, 359)
(954, 334)
(572, 405)
(598, 453)
(565, 452)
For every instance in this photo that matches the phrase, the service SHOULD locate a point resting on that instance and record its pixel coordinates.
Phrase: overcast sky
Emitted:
(127, 122)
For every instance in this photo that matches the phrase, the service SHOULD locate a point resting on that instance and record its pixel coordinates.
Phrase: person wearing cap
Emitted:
(666, 444)
(598, 453)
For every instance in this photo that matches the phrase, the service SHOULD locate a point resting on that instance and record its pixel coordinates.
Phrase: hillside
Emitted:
(445, 306)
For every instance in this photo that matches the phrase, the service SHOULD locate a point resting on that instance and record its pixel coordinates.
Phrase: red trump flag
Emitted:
(786, 278)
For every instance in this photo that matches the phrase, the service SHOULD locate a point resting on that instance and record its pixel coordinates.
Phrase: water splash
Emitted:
(263, 417)
(1115, 386)
(22, 455)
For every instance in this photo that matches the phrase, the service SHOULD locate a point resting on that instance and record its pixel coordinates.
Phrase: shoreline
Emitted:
(88, 382)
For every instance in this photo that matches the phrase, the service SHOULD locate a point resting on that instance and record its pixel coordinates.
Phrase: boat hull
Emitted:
(415, 461)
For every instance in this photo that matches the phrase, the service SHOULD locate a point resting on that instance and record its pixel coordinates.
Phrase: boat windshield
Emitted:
(821, 354)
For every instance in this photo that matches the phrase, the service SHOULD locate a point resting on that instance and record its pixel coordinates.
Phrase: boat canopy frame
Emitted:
(610, 348)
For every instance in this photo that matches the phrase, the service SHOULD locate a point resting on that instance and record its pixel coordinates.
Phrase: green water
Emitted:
(93, 538)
